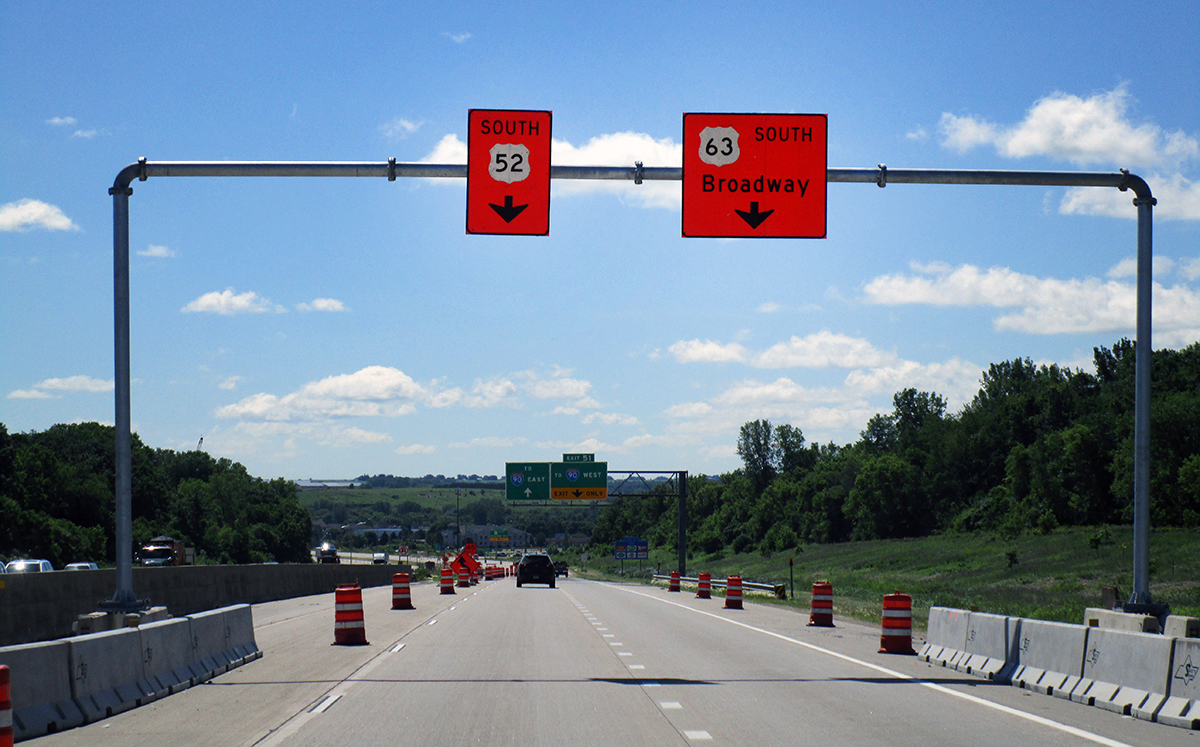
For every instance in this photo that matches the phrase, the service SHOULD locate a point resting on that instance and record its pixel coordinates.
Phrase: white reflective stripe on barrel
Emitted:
(348, 624)
(897, 613)
(352, 607)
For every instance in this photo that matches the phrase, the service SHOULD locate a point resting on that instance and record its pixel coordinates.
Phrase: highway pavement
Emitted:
(591, 663)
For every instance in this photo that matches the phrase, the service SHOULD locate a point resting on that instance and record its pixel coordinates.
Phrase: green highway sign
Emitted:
(527, 481)
(579, 457)
(585, 481)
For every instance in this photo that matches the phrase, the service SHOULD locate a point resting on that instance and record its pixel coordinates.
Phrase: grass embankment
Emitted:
(1048, 577)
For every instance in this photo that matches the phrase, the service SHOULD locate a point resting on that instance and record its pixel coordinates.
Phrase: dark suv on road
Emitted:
(561, 568)
(535, 568)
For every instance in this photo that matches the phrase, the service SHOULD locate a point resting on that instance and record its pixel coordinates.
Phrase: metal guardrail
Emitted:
(779, 590)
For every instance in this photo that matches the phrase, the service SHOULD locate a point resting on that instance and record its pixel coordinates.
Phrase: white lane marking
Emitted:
(624, 653)
(637, 666)
(431, 622)
(1074, 731)
(397, 647)
(670, 705)
(697, 735)
(454, 608)
(615, 643)
(601, 628)
(651, 684)
(324, 705)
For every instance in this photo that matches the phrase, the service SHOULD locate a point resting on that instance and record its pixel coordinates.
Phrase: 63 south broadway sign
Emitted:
(508, 172)
(754, 175)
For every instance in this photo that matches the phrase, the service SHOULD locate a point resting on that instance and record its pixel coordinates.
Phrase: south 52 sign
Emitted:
(508, 172)
(755, 175)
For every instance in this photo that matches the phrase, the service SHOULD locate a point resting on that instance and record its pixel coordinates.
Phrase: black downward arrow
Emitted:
(507, 211)
(578, 492)
(753, 218)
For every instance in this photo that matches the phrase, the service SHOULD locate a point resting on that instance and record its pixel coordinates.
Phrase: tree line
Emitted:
(57, 501)
(1038, 447)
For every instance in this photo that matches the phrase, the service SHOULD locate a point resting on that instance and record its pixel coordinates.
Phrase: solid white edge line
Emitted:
(1074, 731)
(324, 705)
(397, 647)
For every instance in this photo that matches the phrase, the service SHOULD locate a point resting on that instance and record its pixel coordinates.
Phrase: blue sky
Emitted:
(333, 327)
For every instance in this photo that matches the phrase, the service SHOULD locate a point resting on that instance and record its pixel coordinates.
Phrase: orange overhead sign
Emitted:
(754, 175)
(508, 172)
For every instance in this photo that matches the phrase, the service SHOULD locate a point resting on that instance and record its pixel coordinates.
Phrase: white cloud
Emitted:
(493, 442)
(399, 128)
(415, 449)
(157, 251)
(338, 436)
(1082, 131)
(768, 307)
(29, 394)
(1178, 199)
(46, 388)
(228, 303)
(822, 350)
(230, 383)
(1127, 268)
(1046, 305)
(1091, 131)
(919, 134)
(25, 214)
(456, 38)
(1190, 268)
(370, 392)
(77, 384)
(560, 410)
(693, 351)
(490, 393)
(613, 418)
(60, 121)
(322, 304)
(688, 410)
(448, 150)
(87, 134)
(622, 149)
(559, 388)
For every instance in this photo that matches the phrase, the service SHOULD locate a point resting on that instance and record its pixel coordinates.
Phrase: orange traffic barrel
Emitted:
(733, 593)
(401, 593)
(6, 727)
(464, 578)
(348, 626)
(896, 634)
(821, 609)
(447, 581)
(704, 586)
(674, 584)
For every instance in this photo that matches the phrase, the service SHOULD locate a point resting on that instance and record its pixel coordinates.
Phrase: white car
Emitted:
(379, 558)
(28, 566)
(81, 567)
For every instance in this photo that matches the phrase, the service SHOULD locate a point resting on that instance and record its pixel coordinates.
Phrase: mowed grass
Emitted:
(1054, 576)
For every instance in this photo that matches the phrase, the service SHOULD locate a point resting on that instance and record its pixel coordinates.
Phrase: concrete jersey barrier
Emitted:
(58, 685)
(1125, 672)
(41, 689)
(989, 646)
(1049, 656)
(945, 637)
(1183, 707)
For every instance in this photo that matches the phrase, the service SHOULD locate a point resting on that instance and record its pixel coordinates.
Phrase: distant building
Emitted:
(486, 536)
(311, 484)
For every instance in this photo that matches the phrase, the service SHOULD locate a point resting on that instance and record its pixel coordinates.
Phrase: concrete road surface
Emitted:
(590, 663)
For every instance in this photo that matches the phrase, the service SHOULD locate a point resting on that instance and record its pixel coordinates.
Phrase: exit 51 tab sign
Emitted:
(508, 172)
(754, 175)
